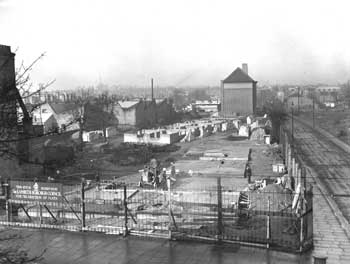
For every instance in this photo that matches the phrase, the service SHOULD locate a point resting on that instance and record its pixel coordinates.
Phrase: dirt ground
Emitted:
(200, 161)
(93, 161)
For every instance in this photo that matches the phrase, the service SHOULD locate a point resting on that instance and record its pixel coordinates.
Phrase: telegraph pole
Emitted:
(313, 111)
(152, 89)
(298, 99)
(292, 126)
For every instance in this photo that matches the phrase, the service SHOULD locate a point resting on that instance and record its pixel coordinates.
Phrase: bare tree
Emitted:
(14, 86)
(276, 111)
(13, 91)
(106, 103)
(346, 93)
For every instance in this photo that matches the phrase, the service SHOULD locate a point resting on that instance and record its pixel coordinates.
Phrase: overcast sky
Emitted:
(177, 42)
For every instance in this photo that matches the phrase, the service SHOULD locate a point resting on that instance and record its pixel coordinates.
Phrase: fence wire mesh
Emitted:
(215, 213)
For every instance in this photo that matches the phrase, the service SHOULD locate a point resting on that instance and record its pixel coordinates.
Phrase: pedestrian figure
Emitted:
(248, 172)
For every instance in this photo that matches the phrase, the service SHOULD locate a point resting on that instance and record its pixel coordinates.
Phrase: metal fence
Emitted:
(261, 218)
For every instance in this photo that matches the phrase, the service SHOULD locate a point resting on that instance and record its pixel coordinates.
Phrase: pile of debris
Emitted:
(272, 198)
(128, 154)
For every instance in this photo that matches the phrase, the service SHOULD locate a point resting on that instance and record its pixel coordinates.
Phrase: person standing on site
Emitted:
(163, 180)
(248, 172)
(153, 168)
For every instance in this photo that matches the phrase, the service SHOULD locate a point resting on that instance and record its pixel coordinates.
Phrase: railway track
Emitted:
(328, 171)
(330, 162)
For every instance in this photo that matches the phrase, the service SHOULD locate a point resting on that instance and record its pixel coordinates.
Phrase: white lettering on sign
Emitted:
(41, 192)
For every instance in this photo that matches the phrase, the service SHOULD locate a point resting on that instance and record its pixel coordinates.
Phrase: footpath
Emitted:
(96, 248)
(331, 229)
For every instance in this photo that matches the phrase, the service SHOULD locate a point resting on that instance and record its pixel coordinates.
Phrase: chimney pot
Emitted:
(245, 67)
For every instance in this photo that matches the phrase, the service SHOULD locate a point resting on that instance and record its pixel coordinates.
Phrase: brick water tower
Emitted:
(238, 93)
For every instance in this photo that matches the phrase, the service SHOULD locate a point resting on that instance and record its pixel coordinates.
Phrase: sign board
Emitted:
(31, 192)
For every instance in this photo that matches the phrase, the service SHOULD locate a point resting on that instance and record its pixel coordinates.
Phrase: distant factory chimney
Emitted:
(245, 67)
(152, 89)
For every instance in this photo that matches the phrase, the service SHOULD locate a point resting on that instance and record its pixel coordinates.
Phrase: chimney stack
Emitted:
(245, 67)
(152, 88)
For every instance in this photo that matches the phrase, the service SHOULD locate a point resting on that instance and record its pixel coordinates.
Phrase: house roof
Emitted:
(159, 101)
(30, 107)
(128, 104)
(238, 76)
(38, 116)
(328, 88)
(60, 108)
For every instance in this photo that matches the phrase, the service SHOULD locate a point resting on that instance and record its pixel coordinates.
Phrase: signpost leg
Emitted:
(26, 212)
(51, 214)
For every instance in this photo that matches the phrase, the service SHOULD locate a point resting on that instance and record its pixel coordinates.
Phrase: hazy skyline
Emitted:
(178, 43)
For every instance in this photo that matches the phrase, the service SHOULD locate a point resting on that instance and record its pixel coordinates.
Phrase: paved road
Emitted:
(86, 248)
(329, 173)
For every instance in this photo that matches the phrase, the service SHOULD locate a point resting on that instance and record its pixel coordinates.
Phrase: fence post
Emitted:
(83, 203)
(290, 170)
(303, 179)
(285, 148)
(220, 224)
(302, 194)
(125, 212)
(169, 207)
(301, 219)
(268, 224)
(289, 158)
(40, 214)
(296, 174)
(8, 204)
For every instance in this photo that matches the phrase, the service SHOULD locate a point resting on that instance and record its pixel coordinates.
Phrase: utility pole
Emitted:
(152, 94)
(104, 103)
(81, 133)
(292, 125)
(313, 111)
(154, 104)
(298, 99)
(81, 123)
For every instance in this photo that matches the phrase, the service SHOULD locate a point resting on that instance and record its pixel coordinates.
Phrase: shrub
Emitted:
(342, 133)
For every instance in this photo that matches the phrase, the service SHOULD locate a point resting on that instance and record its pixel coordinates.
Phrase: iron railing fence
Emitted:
(266, 217)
